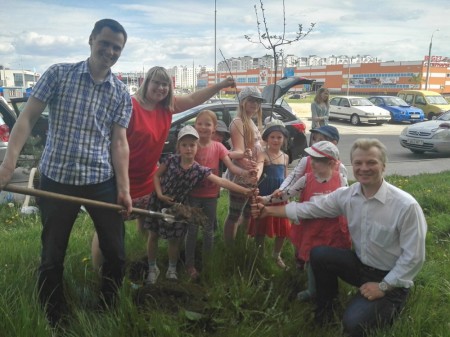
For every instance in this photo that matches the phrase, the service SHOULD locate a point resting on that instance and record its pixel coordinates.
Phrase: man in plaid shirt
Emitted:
(86, 155)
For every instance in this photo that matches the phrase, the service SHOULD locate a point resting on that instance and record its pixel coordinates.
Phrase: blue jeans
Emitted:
(57, 219)
(361, 315)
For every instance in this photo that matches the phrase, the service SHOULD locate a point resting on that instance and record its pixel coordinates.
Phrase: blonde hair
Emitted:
(366, 144)
(157, 74)
(318, 97)
(249, 135)
(208, 113)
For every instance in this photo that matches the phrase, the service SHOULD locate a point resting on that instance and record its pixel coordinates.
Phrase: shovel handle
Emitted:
(82, 201)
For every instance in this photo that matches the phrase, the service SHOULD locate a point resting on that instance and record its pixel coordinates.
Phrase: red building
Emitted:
(358, 78)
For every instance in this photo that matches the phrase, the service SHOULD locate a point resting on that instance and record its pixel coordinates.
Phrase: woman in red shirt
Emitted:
(154, 104)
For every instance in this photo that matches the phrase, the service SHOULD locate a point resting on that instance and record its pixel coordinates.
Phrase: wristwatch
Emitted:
(384, 286)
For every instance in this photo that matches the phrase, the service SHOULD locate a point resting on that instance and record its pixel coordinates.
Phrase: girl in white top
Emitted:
(246, 146)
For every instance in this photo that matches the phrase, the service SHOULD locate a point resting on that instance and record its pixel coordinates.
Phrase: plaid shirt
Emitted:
(81, 119)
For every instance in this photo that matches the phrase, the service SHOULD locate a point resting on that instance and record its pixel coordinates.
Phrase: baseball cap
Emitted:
(274, 125)
(222, 127)
(188, 130)
(250, 92)
(328, 131)
(323, 149)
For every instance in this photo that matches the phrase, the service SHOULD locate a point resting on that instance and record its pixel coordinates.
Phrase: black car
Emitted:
(40, 129)
(227, 110)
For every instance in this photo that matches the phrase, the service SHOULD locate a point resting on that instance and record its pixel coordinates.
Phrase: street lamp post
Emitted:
(429, 60)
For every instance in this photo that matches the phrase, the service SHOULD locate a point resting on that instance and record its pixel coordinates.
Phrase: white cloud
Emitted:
(35, 34)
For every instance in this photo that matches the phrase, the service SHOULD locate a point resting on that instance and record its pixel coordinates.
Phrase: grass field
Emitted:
(238, 294)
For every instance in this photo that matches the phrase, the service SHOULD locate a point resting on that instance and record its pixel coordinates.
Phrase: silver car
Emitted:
(431, 136)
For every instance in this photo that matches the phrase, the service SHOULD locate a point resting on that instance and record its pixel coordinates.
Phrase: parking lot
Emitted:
(303, 111)
(400, 160)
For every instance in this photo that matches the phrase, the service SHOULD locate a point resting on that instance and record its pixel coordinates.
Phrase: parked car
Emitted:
(357, 110)
(4, 138)
(400, 110)
(430, 136)
(226, 111)
(297, 96)
(432, 103)
(40, 129)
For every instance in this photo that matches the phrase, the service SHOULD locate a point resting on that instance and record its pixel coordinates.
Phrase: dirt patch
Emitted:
(179, 298)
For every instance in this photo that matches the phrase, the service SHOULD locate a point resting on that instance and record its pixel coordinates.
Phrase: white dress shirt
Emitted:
(388, 230)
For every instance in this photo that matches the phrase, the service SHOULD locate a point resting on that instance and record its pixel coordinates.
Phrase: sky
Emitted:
(35, 34)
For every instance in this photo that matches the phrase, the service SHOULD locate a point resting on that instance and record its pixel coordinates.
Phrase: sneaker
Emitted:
(280, 263)
(171, 275)
(193, 273)
(304, 296)
(152, 275)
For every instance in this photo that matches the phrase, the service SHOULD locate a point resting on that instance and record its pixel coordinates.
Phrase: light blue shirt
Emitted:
(81, 118)
(388, 230)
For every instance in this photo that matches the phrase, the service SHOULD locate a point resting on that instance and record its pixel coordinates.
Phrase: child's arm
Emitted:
(237, 171)
(296, 174)
(247, 153)
(229, 185)
(157, 183)
(293, 191)
(260, 164)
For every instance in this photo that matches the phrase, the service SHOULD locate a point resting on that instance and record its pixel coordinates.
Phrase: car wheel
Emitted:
(417, 151)
(354, 119)
(431, 116)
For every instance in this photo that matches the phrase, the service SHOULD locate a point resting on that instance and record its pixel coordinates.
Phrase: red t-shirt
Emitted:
(146, 134)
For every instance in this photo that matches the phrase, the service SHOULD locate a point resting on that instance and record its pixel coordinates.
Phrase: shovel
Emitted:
(87, 202)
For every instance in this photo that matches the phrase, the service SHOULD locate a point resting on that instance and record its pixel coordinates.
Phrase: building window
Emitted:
(18, 79)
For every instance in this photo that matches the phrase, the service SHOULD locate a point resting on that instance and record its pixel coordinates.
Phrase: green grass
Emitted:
(240, 292)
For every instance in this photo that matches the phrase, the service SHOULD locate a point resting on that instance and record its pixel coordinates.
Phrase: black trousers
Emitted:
(361, 315)
(58, 218)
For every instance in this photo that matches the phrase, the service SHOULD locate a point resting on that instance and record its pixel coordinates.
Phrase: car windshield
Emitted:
(360, 102)
(436, 100)
(445, 116)
(395, 101)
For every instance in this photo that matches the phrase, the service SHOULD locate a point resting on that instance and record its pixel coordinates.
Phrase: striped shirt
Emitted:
(81, 118)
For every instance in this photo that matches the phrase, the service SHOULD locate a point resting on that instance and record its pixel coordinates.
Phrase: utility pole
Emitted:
(429, 59)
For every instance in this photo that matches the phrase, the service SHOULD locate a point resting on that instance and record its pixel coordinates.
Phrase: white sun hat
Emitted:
(323, 149)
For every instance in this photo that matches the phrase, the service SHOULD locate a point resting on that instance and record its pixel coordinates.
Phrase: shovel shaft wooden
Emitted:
(82, 201)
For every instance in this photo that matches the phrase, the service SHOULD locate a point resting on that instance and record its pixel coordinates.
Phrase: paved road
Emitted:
(400, 160)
